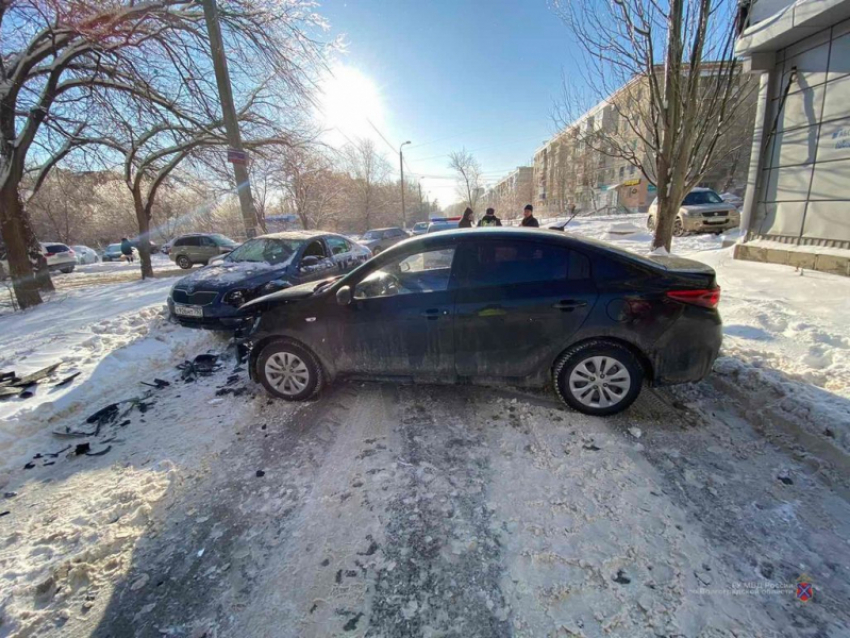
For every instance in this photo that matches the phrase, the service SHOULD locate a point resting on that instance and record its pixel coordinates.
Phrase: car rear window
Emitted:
(56, 248)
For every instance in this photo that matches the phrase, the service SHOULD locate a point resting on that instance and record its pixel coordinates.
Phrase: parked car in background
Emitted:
(509, 304)
(59, 256)
(211, 296)
(702, 211)
(113, 253)
(442, 224)
(420, 228)
(85, 255)
(199, 248)
(382, 238)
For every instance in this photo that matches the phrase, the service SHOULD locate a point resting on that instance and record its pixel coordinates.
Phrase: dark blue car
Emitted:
(211, 297)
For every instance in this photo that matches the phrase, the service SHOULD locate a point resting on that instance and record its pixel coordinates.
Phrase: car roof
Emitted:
(523, 233)
(377, 230)
(296, 234)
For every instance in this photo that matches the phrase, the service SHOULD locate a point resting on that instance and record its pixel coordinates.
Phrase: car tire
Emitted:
(650, 223)
(585, 361)
(67, 270)
(184, 262)
(289, 371)
(678, 228)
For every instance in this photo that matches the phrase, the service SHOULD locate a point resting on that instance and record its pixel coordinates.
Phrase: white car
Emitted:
(85, 255)
(59, 256)
(702, 211)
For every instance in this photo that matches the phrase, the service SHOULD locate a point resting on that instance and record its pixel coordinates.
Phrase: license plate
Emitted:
(188, 311)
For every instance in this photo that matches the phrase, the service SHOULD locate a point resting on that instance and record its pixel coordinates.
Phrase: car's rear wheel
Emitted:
(650, 222)
(678, 228)
(184, 262)
(598, 377)
(289, 371)
(67, 269)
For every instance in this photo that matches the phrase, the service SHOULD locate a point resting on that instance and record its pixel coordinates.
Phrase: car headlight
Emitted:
(236, 297)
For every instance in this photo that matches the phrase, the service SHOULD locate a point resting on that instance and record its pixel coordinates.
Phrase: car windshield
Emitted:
(372, 234)
(263, 249)
(113, 247)
(695, 198)
(223, 241)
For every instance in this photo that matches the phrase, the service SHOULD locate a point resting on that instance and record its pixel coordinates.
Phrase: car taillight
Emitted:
(49, 253)
(705, 298)
(71, 252)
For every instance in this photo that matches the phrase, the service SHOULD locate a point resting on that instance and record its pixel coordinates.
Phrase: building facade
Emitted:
(797, 204)
(511, 193)
(571, 175)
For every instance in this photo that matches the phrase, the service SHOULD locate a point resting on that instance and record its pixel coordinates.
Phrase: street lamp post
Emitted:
(401, 167)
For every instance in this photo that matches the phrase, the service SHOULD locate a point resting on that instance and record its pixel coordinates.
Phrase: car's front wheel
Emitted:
(678, 228)
(650, 222)
(289, 371)
(598, 377)
(184, 262)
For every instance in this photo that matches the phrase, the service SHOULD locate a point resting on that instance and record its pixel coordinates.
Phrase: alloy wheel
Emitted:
(600, 382)
(287, 373)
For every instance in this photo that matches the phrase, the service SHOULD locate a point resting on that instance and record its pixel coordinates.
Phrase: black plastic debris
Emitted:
(5, 513)
(81, 449)
(66, 380)
(100, 452)
(237, 392)
(9, 391)
(35, 377)
(159, 384)
(105, 415)
(27, 394)
(201, 366)
(260, 473)
(29, 465)
(592, 447)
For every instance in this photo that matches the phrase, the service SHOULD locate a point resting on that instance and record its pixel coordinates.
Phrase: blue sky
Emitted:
(448, 74)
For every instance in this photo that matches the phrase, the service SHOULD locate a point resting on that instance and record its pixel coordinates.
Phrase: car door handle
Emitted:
(434, 313)
(568, 305)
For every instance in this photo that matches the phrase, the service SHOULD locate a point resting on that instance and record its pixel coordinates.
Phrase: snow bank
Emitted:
(114, 336)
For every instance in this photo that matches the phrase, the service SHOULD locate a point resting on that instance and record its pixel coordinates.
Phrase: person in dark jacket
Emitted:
(528, 218)
(467, 220)
(127, 248)
(489, 219)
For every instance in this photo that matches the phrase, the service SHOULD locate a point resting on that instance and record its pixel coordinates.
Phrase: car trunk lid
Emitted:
(688, 272)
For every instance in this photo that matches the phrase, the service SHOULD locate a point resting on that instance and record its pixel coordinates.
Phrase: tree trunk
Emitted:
(37, 259)
(14, 236)
(143, 217)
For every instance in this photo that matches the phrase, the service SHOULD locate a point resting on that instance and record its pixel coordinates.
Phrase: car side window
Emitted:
(315, 249)
(208, 242)
(338, 245)
(187, 241)
(425, 272)
(504, 263)
(579, 268)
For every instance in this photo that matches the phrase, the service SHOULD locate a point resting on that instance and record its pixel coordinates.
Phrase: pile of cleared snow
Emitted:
(114, 336)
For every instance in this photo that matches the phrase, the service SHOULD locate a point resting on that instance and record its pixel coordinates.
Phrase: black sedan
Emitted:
(211, 297)
(501, 304)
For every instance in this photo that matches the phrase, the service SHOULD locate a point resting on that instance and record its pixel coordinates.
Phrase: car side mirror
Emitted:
(343, 296)
(309, 261)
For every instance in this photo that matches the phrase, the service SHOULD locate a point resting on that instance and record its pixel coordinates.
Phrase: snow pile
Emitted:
(66, 553)
(114, 336)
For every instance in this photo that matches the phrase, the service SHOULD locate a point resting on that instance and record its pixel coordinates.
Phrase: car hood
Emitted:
(704, 208)
(229, 274)
(294, 293)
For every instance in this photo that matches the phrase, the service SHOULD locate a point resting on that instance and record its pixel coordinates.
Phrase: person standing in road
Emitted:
(489, 219)
(528, 218)
(127, 249)
(467, 220)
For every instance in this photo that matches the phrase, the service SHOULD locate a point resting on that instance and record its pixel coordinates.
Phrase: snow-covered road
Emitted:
(385, 510)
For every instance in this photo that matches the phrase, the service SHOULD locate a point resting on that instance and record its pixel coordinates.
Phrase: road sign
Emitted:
(237, 157)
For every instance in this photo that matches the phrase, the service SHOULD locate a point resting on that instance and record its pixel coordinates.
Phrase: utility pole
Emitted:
(401, 167)
(420, 195)
(235, 154)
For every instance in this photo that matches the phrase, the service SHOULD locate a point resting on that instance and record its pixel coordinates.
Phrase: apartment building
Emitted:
(510, 194)
(797, 204)
(571, 174)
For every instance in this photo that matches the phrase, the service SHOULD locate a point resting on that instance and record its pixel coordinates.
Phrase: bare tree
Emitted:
(468, 177)
(58, 57)
(369, 171)
(667, 87)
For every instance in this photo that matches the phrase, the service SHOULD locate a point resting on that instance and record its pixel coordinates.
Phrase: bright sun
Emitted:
(348, 100)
